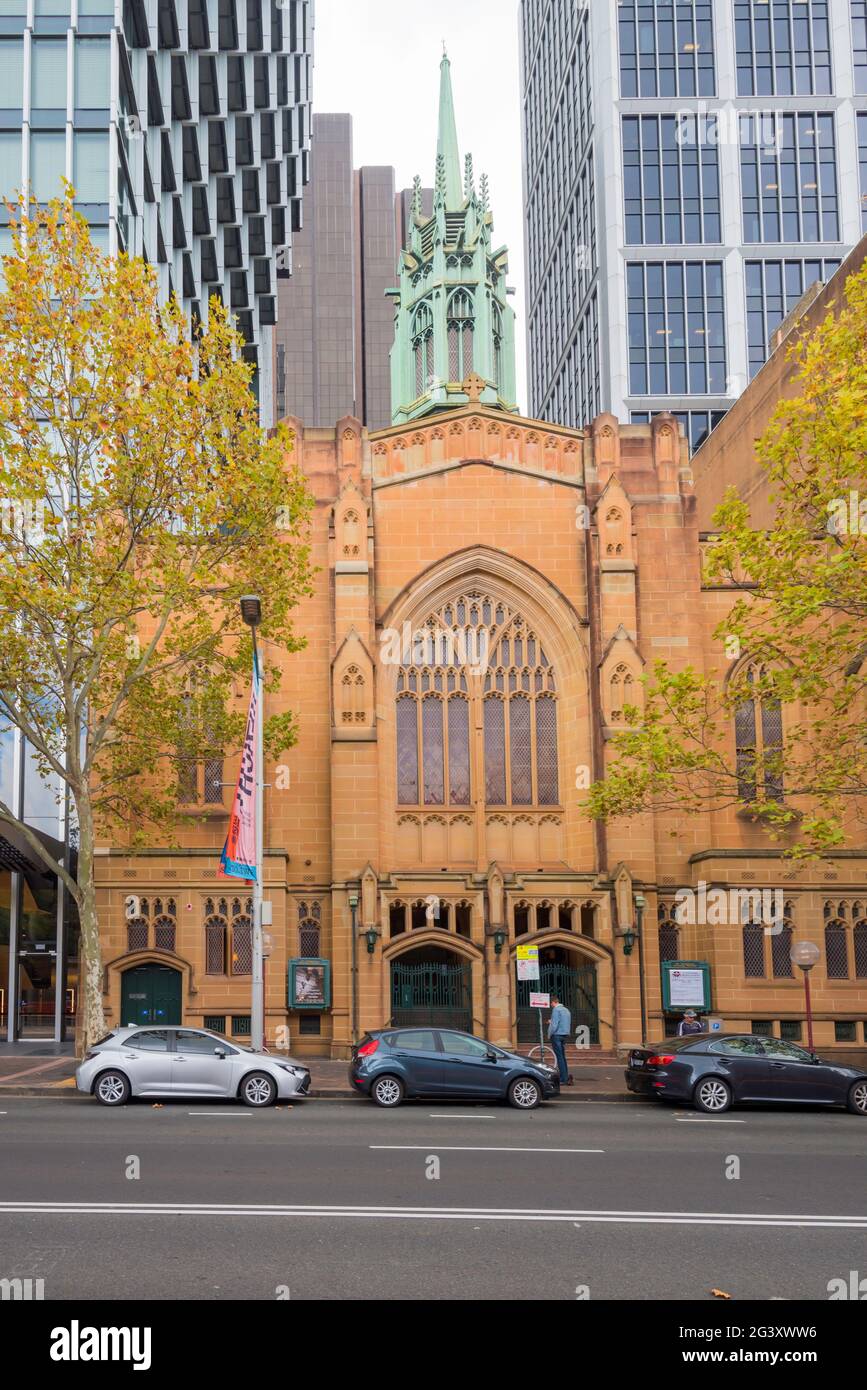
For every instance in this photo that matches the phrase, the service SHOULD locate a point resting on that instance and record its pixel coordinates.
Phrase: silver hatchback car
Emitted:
(190, 1062)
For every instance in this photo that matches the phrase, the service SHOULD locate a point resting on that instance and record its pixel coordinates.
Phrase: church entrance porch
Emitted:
(434, 987)
(573, 980)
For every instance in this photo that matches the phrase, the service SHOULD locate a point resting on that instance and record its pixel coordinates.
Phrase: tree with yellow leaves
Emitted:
(140, 500)
(799, 613)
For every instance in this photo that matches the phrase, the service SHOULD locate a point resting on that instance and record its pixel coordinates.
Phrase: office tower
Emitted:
(184, 127)
(335, 324)
(691, 169)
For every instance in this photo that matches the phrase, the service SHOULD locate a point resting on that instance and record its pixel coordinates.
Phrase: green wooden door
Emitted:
(151, 994)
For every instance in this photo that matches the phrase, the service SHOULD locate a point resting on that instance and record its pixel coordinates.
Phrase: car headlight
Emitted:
(293, 1071)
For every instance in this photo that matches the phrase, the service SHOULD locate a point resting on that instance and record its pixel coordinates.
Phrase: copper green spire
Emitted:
(447, 145)
(454, 339)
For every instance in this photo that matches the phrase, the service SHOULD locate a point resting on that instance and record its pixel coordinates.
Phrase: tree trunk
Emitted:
(91, 1025)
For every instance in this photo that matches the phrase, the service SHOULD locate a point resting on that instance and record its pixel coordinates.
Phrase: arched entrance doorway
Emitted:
(573, 979)
(150, 994)
(431, 985)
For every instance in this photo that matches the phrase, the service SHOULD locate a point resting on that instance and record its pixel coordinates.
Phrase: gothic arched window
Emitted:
(497, 328)
(836, 946)
(461, 327)
(476, 653)
(309, 929)
(242, 936)
(216, 936)
(759, 742)
(669, 933)
(422, 346)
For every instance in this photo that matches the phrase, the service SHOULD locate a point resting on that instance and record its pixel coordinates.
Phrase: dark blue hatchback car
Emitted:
(396, 1063)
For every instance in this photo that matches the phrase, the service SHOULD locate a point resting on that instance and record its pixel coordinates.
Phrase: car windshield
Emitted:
(229, 1042)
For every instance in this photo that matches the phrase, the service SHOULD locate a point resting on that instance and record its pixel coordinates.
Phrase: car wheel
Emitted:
(712, 1095)
(258, 1090)
(387, 1091)
(857, 1101)
(524, 1093)
(111, 1088)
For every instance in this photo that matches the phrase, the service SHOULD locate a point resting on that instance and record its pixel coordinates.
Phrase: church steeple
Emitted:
(454, 327)
(447, 142)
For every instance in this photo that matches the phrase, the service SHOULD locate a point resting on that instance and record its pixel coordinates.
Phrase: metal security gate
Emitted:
(575, 987)
(437, 995)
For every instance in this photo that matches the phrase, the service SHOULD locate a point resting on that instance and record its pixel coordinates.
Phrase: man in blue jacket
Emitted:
(559, 1028)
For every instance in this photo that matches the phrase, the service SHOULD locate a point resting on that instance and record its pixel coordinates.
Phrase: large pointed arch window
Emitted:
(461, 326)
(422, 346)
(759, 742)
(477, 671)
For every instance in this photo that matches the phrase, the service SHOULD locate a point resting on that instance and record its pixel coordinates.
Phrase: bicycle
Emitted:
(541, 1052)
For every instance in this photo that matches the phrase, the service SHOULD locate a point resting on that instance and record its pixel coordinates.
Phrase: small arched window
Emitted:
(309, 929)
(497, 329)
(422, 346)
(461, 327)
(669, 933)
(759, 742)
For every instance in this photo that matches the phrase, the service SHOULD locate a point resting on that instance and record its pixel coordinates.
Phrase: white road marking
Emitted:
(706, 1120)
(640, 1218)
(478, 1149)
(440, 1116)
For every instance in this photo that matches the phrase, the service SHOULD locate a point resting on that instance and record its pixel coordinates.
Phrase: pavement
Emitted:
(37, 1075)
(331, 1200)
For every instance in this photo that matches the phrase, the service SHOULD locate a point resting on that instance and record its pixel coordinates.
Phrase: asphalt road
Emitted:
(338, 1200)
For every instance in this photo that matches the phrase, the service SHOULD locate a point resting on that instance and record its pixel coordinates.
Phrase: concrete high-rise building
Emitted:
(335, 325)
(691, 169)
(184, 127)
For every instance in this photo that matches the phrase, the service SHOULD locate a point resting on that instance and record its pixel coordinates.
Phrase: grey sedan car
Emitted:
(189, 1062)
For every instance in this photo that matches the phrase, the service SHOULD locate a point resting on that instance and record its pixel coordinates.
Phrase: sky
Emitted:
(379, 60)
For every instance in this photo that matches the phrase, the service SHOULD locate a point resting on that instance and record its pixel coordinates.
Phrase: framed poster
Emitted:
(685, 985)
(309, 984)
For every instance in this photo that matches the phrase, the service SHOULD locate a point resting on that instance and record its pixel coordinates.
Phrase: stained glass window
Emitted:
(520, 751)
(432, 751)
(546, 750)
(495, 752)
(459, 752)
(407, 753)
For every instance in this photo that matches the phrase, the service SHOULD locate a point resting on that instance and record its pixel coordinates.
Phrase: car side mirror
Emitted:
(491, 1057)
(219, 1052)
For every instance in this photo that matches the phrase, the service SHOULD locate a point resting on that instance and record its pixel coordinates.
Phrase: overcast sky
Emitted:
(379, 60)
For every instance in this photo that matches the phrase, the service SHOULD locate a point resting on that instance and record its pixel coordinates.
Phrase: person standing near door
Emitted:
(559, 1028)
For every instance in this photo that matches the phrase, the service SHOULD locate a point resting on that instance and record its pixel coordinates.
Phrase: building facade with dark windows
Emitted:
(691, 169)
(491, 589)
(184, 126)
(38, 918)
(335, 324)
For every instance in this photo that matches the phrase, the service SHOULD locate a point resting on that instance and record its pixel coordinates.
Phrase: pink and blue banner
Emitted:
(238, 859)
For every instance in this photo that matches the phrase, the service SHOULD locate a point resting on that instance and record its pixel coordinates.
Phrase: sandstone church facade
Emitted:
(491, 590)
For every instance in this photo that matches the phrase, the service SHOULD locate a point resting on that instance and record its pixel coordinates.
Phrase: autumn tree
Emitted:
(140, 500)
(798, 617)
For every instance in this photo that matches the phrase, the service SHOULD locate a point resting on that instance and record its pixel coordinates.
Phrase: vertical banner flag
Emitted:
(238, 859)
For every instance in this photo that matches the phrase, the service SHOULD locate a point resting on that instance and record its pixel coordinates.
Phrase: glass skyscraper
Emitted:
(692, 167)
(184, 127)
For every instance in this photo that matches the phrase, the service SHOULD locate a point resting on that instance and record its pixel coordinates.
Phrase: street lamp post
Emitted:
(251, 612)
(640, 903)
(353, 907)
(805, 954)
